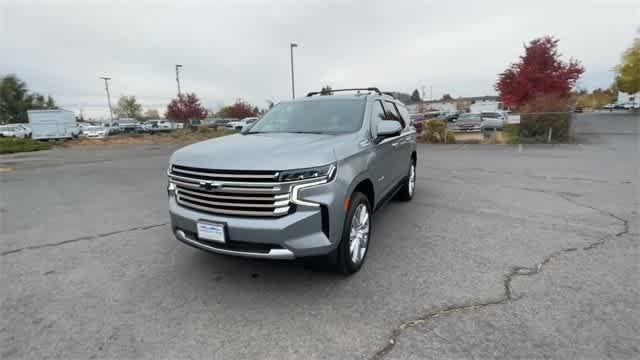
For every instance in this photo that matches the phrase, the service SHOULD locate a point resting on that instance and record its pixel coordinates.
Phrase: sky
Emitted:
(240, 49)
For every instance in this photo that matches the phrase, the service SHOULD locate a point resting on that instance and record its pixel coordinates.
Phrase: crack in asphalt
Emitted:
(81, 238)
(515, 271)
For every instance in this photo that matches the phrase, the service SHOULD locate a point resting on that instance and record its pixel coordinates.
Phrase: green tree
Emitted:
(151, 114)
(128, 107)
(50, 104)
(326, 90)
(628, 78)
(15, 100)
(446, 97)
(415, 96)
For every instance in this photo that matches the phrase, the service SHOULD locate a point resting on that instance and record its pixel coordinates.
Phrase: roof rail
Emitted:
(352, 89)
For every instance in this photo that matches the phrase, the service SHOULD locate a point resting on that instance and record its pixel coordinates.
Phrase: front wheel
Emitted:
(354, 244)
(409, 187)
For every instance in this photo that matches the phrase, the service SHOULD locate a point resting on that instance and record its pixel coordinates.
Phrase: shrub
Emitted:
(433, 132)
(540, 115)
(13, 145)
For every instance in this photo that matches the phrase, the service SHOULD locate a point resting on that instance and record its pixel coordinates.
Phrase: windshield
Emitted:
(332, 116)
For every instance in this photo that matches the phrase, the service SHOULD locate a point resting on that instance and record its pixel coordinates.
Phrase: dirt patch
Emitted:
(5, 170)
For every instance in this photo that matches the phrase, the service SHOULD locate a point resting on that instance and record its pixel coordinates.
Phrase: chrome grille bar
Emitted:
(226, 192)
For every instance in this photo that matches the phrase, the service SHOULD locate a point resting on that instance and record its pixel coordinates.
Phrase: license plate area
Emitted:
(211, 231)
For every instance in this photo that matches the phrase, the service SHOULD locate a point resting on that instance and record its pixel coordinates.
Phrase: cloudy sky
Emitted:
(240, 49)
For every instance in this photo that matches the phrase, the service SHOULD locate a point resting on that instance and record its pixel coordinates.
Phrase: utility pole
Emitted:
(106, 86)
(431, 91)
(178, 66)
(293, 83)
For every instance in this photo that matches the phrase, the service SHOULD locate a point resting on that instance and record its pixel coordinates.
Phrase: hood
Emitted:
(275, 151)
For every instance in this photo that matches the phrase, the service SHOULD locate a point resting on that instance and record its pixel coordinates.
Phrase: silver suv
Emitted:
(303, 181)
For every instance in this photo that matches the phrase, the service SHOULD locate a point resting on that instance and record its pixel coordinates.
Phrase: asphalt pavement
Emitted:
(505, 252)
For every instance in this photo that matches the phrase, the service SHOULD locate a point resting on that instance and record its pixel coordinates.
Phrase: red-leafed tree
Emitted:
(538, 73)
(239, 110)
(185, 107)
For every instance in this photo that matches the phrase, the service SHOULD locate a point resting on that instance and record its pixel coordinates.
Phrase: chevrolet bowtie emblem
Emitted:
(209, 185)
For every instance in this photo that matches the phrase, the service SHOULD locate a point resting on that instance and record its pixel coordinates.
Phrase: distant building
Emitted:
(474, 104)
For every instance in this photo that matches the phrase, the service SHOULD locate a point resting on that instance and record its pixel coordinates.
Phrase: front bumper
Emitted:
(307, 231)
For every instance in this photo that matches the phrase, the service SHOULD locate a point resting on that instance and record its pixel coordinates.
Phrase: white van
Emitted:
(52, 124)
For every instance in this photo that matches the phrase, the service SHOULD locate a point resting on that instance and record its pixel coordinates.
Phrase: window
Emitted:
(392, 113)
(377, 113)
(332, 116)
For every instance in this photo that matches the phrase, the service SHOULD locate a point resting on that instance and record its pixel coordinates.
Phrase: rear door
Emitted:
(384, 155)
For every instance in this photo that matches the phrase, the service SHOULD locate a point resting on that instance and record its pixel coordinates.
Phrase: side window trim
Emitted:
(396, 116)
(400, 117)
(373, 121)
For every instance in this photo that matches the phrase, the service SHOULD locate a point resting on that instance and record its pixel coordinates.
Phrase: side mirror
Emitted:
(388, 128)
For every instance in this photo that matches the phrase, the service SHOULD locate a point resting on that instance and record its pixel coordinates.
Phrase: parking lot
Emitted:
(505, 252)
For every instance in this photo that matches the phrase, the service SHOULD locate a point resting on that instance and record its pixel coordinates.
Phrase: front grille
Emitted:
(241, 193)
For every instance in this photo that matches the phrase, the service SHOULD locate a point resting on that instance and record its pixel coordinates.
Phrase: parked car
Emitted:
(26, 129)
(238, 125)
(417, 122)
(468, 122)
(452, 117)
(112, 128)
(95, 132)
(492, 120)
(157, 125)
(303, 181)
(83, 126)
(129, 125)
(15, 131)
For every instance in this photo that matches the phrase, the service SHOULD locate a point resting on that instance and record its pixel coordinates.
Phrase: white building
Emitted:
(480, 106)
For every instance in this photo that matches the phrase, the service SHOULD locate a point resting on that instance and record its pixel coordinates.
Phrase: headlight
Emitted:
(321, 175)
(327, 171)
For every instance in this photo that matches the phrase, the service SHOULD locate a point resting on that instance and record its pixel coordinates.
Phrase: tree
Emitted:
(239, 110)
(15, 100)
(151, 114)
(596, 99)
(128, 107)
(539, 72)
(415, 96)
(326, 90)
(447, 97)
(628, 77)
(185, 107)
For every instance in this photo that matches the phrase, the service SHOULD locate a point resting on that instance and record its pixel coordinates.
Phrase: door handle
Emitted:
(395, 143)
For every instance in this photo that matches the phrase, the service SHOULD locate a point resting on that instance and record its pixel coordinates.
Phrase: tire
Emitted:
(409, 187)
(344, 260)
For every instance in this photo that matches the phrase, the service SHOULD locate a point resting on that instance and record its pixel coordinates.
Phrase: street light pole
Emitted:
(293, 83)
(178, 66)
(106, 86)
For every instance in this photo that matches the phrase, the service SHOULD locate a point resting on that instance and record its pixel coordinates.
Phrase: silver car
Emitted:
(493, 120)
(304, 180)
